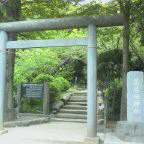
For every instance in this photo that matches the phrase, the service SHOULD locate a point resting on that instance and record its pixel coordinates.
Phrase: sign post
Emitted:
(36, 91)
(46, 99)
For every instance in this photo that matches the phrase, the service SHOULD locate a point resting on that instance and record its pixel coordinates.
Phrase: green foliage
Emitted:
(56, 84)
(25, 105)
(60, 84)
(43, 77)
(109, 65)
(113, 98)
(31, 105)
(31, 63)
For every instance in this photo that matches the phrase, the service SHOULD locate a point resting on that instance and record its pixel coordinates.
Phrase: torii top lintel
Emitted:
(62, 23)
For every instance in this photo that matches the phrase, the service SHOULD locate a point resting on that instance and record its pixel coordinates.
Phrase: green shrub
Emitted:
(43, 77)
(59, 84)
(31, 105)
(25, 105)
(113, 99)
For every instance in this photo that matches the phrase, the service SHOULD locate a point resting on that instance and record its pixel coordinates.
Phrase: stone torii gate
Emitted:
(56, 24)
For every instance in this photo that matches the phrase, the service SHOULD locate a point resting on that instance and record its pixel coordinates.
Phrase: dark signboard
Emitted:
(32, 90)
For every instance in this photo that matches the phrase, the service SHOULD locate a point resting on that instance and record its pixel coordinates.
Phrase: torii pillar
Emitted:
(91, 82)
(3, 41)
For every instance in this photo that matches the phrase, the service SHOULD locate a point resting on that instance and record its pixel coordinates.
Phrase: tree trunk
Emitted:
(126, 33)
(123, 115)
(13, 13)
(9, 109)
(125, 6)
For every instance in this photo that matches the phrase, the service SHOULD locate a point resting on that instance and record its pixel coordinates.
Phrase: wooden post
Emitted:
(19, 93)
(3, 41)
(46, 99)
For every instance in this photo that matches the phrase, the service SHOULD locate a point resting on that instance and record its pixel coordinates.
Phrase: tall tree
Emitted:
(13, 10)
(125, 6)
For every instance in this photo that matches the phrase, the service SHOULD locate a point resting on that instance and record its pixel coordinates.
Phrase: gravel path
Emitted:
(50, 133)
(54, 133)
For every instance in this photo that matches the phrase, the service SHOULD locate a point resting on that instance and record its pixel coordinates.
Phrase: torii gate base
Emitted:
(52, 24)
(95, 140)
(3, 131)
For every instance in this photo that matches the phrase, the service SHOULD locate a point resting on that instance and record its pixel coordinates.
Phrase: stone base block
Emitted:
(130, 131)
(3, 131)
(95, 140)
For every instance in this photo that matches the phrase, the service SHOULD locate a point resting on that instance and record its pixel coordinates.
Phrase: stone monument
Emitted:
(133, 128)
(135, 96)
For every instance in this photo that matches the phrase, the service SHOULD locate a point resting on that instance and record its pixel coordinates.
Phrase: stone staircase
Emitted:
(75, 110)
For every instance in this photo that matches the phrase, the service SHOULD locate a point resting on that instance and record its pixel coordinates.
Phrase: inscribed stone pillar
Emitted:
(132, 130)
(135, 96)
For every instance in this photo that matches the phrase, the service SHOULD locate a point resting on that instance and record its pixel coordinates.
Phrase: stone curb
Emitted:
(57, 105)
(23, 123)
(67, 97)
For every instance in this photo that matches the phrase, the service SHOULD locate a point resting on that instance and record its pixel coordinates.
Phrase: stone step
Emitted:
(73, 111)
(77, 107)
(27, 121)
(77, 103)
(80, 93)
(68, 120)
(77, 100)
(71, 116)
(79, 97)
